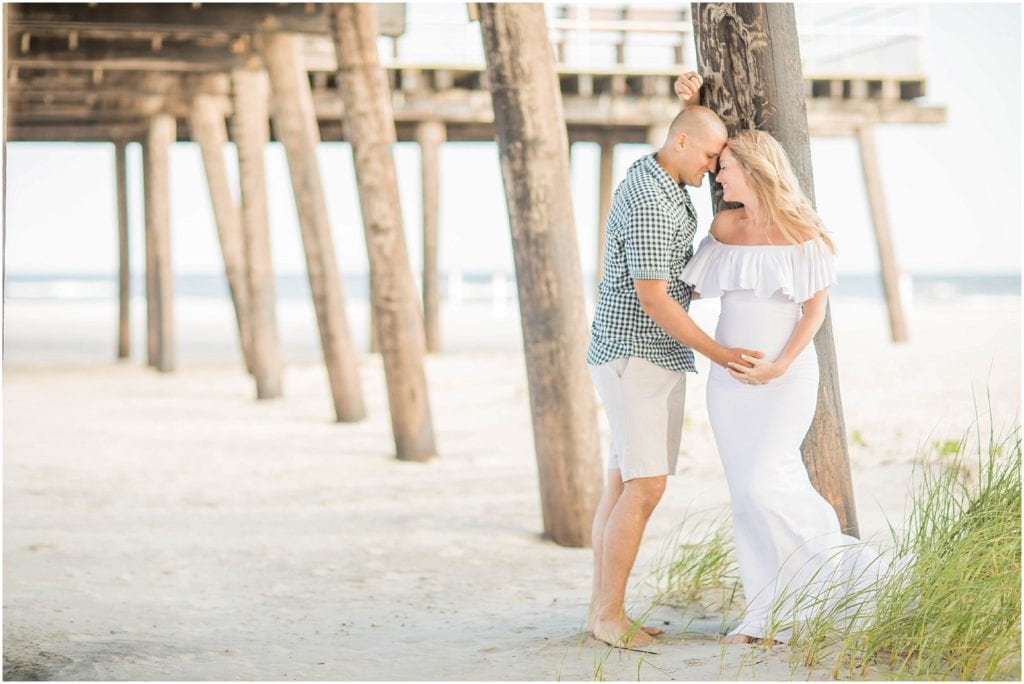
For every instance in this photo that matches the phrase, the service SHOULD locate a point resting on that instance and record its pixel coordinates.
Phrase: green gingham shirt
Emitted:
(650, 232)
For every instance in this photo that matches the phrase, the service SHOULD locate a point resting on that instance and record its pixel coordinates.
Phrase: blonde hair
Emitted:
(772, 178)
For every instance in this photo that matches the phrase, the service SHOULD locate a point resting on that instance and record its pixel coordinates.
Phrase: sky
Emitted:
(953, 191)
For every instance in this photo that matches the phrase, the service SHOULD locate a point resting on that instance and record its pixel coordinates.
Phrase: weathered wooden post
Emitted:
(209, 130)
(430, 135)
(251, 131)
(161, 135)
(604, 202)
(296, 127)
(883, 237)
(374, 332)
(532, 142)
(370, 128)
(749, 56)
(124, 339)
(152, 292)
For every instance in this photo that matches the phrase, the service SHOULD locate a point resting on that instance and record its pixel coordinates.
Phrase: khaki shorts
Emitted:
(644, 404)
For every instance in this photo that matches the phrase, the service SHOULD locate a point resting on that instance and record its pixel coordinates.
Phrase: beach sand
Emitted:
(171, 527)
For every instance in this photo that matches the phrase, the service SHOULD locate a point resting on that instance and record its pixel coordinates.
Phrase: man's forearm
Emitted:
(674, 320)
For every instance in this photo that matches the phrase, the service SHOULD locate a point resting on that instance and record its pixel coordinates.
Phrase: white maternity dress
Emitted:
(787, 536)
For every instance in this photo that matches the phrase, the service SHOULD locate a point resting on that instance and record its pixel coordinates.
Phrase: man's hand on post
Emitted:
(687, 89)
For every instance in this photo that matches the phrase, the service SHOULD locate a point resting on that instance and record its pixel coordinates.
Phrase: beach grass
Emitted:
(948, 603)
(951, 608)
(696, 568)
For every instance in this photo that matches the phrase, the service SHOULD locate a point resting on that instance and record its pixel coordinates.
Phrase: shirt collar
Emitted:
(675, 192)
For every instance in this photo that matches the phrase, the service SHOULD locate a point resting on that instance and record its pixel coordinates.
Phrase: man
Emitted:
(640, 349)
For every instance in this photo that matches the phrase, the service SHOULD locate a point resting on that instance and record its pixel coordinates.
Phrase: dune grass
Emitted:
(951, 609)
(947, 607)
(696, 567)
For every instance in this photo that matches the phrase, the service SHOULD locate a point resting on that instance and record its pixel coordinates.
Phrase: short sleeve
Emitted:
(647, 237)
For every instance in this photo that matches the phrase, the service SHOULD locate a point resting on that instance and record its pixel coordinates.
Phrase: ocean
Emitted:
(72, 318)
(464, 287)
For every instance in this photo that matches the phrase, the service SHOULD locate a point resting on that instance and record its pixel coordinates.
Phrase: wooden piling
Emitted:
(430, 135)
(374, 333)
(160, 136)
(370, 126)
(749, 56)
(251, 132)
(152, 293)
(604, 202)
(295, 125)
(883, 237)
(123, 266)
(532, 142)
(209, 130)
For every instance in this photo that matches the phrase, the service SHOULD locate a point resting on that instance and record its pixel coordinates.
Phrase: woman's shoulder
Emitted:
(724, 225)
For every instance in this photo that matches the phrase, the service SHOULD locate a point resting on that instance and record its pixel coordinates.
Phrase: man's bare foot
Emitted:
(624, 634)
(651, 631)
(648, 630)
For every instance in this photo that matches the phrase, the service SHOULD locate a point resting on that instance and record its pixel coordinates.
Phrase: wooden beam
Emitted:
(89, 80)
(452, 95)
(184, 19)
(467, 114)
(100, 108)
(107, 126)
(82, 111)
(72, 131)
(171, 55)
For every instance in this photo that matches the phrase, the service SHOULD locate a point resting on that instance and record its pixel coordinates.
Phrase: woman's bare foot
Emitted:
(767, 642)
(744, 639)
(623, 634)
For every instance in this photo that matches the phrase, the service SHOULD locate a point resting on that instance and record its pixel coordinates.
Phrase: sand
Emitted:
(171, 527)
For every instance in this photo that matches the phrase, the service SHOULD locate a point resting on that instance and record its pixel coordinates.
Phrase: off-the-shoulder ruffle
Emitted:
(766, 269)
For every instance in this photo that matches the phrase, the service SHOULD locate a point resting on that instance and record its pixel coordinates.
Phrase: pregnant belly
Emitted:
(762, 324)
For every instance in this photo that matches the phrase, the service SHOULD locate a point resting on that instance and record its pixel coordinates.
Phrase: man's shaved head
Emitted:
(695, 139)
(697, 122)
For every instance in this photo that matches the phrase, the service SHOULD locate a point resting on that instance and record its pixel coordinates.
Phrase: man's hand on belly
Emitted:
(755, 370)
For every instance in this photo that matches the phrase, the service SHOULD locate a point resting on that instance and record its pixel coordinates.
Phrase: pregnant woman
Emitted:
(771, 262)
